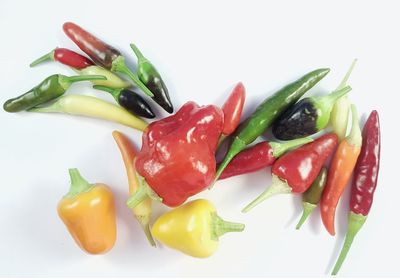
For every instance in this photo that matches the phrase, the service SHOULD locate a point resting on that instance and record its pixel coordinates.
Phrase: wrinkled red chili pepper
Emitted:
(177, 158)
(365, 179)
(233, 108)
(259, 156)
(296, 170)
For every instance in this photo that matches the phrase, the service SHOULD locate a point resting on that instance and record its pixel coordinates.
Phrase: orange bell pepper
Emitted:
(340, 171)
(88, 211)
(143, 210)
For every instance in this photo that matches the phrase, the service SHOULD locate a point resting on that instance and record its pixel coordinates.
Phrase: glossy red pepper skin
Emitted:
(300, 167)
(101, 53)
(233, 108)
(366, 170)
(250, 160)
(71, 58)
(177, 158)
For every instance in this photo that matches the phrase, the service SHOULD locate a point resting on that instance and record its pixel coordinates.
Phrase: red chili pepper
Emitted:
(177, 158)
(339, 174)
(101, 53)
(296, 170)
(259, 156)
(364, 183)
(233, 108)
(66, 57)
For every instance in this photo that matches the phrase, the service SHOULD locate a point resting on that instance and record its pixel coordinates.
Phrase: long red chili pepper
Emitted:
(364, 183)
(340, 171)
(232, 109)
(296, 170)
(66, 57)
(259, 156)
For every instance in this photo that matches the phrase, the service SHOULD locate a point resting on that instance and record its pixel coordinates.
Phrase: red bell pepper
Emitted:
(177, 159)
(296, 170)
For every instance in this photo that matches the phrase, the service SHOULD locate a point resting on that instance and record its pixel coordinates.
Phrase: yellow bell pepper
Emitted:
(143, 210)
(88, 211)
(194, 228)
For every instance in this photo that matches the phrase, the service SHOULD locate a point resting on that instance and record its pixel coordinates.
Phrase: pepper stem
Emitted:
(114, 92)
(356, 221)
(307, 209)
(335, 95)
(278, 186)
(220, 227)
(145, 224)
(141, 193)
(279, 149)
(138, 53)
(119, 65)
(354, 138)
(46, 57)
(236, 147)
(66, 81)
(346, 77)
(78, 183)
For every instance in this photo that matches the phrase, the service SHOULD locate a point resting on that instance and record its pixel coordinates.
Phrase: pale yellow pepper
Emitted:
(193, 228)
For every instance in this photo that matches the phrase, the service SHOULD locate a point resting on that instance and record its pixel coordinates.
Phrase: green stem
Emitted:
(356, 221)
(346, 77)
(279, 149)
(119, 65)
(307, 209)
(78, 184)
(278, 186)
(141, 193)
(52, 108)
(114, 92)
(66, 81)
(236, 147)
(47, 57)
(354, 138)
(220, 226)
(138, 53)
(335, 95)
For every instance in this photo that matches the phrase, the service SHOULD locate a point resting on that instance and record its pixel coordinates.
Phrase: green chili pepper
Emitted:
(268, 111)
(50, 88)
(150, 77)
(312, 196)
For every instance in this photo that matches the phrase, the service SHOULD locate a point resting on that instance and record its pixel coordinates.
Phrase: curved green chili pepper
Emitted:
(150, 77)
(312, 196)
(267, 112)
(50, 88)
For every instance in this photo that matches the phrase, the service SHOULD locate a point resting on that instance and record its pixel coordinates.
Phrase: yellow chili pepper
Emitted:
(194, 228)
(88, 212)
(143, 210)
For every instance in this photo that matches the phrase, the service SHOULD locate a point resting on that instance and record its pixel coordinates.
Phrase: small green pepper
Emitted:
(150, 77)
(267, 112)
(50, 88)
(312, 196)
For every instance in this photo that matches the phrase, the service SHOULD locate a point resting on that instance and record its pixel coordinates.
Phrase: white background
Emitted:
(202, 50)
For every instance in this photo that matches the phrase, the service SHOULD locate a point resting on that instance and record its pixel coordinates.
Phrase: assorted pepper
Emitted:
(296, 170)
(267, 112)
(340, 171)
(177, 156)
(82, 65)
